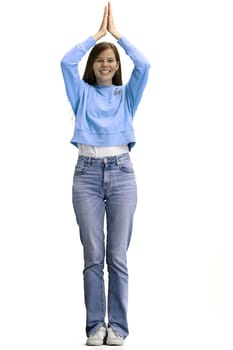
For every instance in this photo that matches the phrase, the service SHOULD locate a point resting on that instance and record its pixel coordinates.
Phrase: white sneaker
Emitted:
(97, 338)
(113, 338)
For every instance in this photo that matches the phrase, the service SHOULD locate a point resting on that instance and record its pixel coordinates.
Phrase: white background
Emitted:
(180, 258)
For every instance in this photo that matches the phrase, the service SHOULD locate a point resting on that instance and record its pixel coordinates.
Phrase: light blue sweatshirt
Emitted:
(104, 114)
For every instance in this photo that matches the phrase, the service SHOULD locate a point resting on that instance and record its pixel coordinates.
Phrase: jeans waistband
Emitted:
(112, 159)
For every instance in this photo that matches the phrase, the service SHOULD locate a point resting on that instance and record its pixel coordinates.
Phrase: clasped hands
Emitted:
(107, 24)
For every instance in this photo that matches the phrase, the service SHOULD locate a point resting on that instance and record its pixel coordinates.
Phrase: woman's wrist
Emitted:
(97, 36)
(116, 35)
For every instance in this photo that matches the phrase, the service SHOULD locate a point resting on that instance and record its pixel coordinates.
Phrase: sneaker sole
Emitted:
(94, 343)
(117, 343)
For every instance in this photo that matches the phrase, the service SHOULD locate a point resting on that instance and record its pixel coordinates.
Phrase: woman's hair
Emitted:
(89, 76)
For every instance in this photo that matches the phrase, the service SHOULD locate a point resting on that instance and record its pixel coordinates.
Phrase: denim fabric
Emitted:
(105, 189)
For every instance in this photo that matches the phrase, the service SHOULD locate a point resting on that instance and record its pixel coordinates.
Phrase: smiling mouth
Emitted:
(105, 71)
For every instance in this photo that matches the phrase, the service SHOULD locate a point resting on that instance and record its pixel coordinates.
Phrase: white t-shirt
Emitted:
(101, 152)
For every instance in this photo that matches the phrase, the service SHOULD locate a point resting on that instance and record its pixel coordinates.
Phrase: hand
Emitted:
(103, 27)
(110, 23)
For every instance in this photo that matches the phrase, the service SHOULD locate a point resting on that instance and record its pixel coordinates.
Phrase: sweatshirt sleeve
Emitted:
(139, 76)
(74, 85)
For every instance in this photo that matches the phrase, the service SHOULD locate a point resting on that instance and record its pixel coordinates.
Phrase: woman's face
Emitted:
(105, 66)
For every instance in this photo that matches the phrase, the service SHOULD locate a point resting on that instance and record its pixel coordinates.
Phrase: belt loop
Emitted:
(89, 161)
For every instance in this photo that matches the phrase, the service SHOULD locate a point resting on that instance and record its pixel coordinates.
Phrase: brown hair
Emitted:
(89, 76)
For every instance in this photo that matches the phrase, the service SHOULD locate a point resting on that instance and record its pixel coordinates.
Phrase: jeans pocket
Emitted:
(126, 166)
(81, 167)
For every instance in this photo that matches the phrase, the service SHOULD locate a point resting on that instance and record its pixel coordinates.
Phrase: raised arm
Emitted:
(139, 75)
(69, 64)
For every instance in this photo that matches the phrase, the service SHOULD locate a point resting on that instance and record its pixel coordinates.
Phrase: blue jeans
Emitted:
(105, 187)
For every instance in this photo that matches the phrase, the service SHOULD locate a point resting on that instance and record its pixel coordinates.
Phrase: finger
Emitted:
(109, 8)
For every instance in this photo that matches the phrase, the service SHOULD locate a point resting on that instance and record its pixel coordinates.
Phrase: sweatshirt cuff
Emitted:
(88, 43)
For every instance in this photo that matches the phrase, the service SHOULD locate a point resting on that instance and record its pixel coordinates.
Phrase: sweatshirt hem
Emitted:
(104, 140)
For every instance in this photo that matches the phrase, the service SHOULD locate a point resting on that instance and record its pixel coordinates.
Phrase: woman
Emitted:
(104, 181)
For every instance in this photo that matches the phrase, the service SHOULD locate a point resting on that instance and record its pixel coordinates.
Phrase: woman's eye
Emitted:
(99, 60)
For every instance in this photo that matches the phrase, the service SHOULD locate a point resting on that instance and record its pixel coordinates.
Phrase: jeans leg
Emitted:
(120, 208)
(89, 208)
